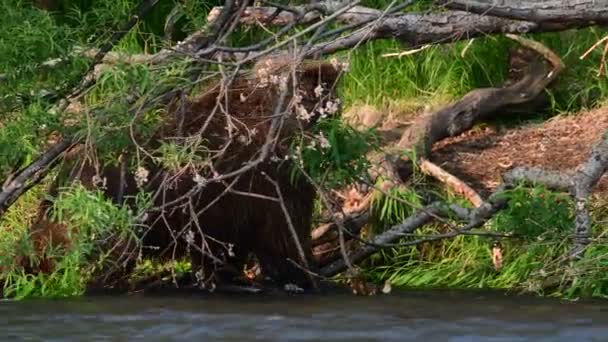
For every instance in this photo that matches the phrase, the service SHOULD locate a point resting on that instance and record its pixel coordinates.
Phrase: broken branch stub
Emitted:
(452, 182)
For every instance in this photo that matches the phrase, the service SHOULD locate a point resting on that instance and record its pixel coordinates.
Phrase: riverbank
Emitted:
(395, 89)
(538, 222)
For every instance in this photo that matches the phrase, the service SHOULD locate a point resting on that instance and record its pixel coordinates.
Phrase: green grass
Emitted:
(534, 259)
(441, 73)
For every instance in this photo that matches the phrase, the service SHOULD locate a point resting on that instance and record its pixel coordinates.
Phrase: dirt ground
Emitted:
(480, 156)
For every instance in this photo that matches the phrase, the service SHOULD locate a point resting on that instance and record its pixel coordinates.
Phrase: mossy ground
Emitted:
(434, 76)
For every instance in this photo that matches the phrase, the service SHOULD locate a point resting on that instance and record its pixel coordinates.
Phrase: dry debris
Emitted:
(480, 156)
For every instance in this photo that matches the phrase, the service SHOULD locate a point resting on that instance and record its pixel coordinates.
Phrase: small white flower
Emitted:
(293, 288)
(262, 72)
(263, 75)
(334, 62)
(312, 145)
(274, 79)
(199, 180)
(318, 91)
(331, 107)
(323, 141)
(189, 237)
(283, 83)
(303, 114)
(322, 113)
(345, 66)
(200, 277)
(141, 176)
(243, 139)
(243, 97)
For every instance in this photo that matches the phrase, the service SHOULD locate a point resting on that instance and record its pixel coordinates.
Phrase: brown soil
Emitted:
(480, 156)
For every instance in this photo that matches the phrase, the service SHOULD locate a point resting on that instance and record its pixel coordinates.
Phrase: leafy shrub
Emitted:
(335, 153)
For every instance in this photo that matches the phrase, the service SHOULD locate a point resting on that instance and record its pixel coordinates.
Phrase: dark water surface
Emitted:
(403, 316)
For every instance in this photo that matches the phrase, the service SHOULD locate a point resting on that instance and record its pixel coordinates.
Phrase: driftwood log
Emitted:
(462, 20)
(475, 106)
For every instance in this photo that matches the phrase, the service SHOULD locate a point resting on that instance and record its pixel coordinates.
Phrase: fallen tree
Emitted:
(464, 20)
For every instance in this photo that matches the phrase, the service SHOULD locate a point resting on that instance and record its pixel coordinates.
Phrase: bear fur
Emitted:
(230, 223)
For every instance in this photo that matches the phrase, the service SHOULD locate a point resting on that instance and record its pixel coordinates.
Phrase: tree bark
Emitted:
(538, 11)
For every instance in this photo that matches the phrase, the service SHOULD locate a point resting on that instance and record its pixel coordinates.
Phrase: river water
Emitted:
(401, 316)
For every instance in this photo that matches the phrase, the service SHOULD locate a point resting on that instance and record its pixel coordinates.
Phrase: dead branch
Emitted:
(537, 11)
(417, 29)
(579, 184)
(476, 218)
(353, 224)
(268, 15)
(31, 175)
(551, 179)
(349, 212)
(469, 19)
(353, 218)
(407, 226)
(585, 179)
(451, 182)
(440, 28)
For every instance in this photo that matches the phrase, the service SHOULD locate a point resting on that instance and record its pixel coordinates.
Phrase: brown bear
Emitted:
(223, 221)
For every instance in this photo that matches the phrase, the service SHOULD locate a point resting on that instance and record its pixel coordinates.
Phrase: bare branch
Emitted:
(409, 225)
(292, 229)
(307, 13)
(385, 240)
